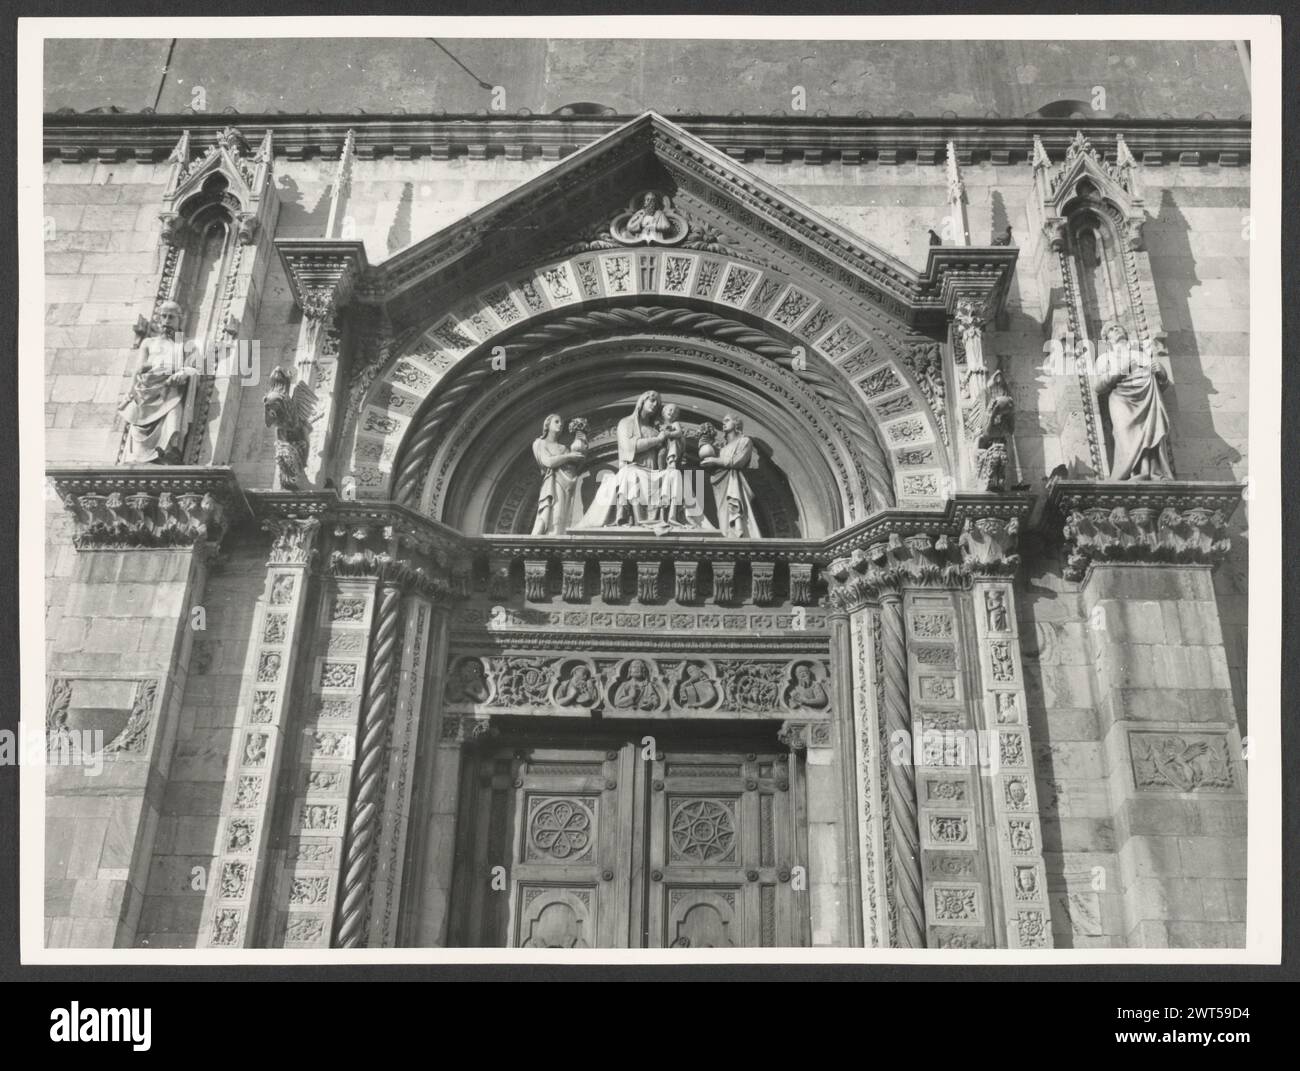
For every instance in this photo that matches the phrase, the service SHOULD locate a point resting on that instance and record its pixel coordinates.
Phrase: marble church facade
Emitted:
(918, 621)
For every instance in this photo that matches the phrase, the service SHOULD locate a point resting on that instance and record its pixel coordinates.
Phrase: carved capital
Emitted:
(153, 506)
(988, 545)
(886, 568)
(794, 735)
(173, 230)
(970, 317)
(294, 539)
(406, 575)
(318, 306)
(364, 547)
(1173, 522)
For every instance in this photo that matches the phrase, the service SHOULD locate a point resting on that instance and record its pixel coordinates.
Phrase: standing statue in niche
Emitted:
(1131, 383)
(731, 491)
(559, 502)
(155, 409)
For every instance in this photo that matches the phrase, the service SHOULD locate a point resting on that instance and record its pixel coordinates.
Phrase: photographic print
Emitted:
(672, 485)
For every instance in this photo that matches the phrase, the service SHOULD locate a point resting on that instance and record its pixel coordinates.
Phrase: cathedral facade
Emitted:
(602, 528)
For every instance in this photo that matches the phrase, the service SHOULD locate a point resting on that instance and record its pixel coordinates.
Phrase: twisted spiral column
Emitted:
(363, 819)
(905, 837)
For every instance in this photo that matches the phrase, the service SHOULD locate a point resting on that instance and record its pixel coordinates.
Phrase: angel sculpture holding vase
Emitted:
(559, 502)
(731, 491)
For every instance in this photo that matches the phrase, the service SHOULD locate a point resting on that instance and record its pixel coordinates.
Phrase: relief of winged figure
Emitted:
(1174, 761)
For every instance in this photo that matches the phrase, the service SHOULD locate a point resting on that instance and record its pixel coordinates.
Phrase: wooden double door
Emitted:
(636, 842)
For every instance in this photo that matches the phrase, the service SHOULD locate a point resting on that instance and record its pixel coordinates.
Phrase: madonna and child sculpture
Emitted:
(651, 489)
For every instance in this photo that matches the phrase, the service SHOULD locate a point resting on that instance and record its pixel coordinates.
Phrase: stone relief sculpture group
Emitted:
(640, 685)
(649, 490)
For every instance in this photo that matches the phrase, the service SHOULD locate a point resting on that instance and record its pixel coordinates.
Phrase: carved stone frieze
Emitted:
(636, 683)
(152, 506)
(1168, 521)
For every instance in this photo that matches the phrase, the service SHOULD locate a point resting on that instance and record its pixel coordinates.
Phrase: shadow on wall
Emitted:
(1059, 711)
(1213, 457)
(189, 824)
(1185, 356)
(303, 220)
(999, 221)
(399, 234)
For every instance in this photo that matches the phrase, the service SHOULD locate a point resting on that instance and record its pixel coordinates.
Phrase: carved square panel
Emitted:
(560, 829)
(703, 830)
(713, 917)
(947, 829)
(956, 905)
(556, 917)
(1182, 762)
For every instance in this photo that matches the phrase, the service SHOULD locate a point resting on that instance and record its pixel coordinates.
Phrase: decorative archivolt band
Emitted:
(388, 397)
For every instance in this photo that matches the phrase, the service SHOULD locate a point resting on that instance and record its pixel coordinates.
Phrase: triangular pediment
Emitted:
(230, 155)
(1116, 182)
(725, 208)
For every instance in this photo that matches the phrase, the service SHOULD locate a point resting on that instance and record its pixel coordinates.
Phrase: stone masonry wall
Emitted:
(102, 271)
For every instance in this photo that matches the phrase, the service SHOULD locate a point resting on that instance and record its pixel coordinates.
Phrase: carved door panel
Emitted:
(572, 825)
(721, 847)
(599, 848)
